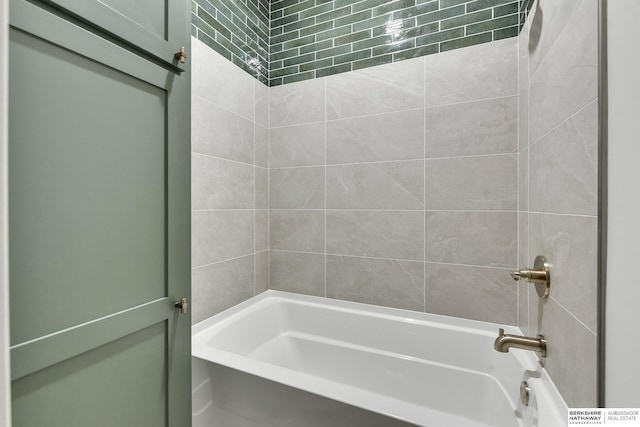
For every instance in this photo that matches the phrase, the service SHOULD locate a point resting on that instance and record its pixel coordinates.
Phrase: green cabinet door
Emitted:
(99, 222)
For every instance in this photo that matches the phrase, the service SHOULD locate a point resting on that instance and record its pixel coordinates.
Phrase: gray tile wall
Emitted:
(230, 217)
(558, 187)
(397, 185)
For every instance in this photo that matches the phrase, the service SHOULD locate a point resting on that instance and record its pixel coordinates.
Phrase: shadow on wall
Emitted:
(536, 29)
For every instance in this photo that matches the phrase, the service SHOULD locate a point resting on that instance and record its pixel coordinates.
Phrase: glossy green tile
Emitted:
(466, 41)
(440, 36)
(314, 29)
(333, 51)
(467, 19)
(368, 4)
(494, 24)
(299, 6)
(440, 15)
(335, 14)
(342, 68)
(371, 23)
(394, 47)
(314, 11)
(484, 4)
(283, 71)
(416, 10)
(350, 57)
(285, 54)
(376, 41)
(299, 77)
(300, 42)
(301, 23)
(353, 37)
(299, 59)
(372, 62)
(417, 52)
(314, 47)
(507, 9)
(337, 32)
(392, 7)
(505, 33)
(448, 3)
(355, 17)
(323, 63)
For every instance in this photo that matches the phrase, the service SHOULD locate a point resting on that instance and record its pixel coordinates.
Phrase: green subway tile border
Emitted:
(285, 41)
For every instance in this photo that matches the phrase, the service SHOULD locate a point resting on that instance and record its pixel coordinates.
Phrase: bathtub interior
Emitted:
(407, 365)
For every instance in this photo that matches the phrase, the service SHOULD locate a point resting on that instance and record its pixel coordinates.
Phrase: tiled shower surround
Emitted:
(285, 41)
(397, 185)
(418, 184)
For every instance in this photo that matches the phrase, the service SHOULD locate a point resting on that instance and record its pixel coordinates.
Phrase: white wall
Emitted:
(5, 402)
(623, 290)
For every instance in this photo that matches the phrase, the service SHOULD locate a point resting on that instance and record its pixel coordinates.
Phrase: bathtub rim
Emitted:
(543, 386)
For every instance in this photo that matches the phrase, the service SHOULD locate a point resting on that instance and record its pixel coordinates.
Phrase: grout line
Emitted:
(208, 101)
(222, 158)
(197, 267)
(424, 186)
(325, 187)
(573, 315)
(553, 129)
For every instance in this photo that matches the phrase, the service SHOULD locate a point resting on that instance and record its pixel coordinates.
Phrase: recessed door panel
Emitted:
(122, 383)
(149, 14)
(88, 189)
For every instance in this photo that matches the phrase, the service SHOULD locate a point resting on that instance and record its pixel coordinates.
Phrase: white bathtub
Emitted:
(283, 359)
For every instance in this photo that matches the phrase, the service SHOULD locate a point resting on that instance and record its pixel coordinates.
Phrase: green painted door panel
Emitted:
(157, 27)
(99, 218)
(122, 383)
(88, 189)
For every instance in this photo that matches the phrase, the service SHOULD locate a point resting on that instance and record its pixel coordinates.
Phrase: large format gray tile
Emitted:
(478, 293)
(219, 133)
(221, 184)
(297, 230)
(262, 230)
(546, 21)
(261, 103)
(473, 238)
(220, 235)
(390, 136)
(384, 234)
(473, 128)
(297, 188)
(570, 244)
(478, 72)
(262, 272)
(297, 272)
(220, 286)
(567, 79)
(262, 188)
(523, 180)
(262, 146)
(523, 89)
(571, 352)
(300, 145)
(468, 183)
(220, 81)
(382, 89)
(388, 185)
(297, 103)
(384, 282)
(564, 166)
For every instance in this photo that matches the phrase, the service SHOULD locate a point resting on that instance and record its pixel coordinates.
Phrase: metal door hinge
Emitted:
(182, 55)
(182, 305)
